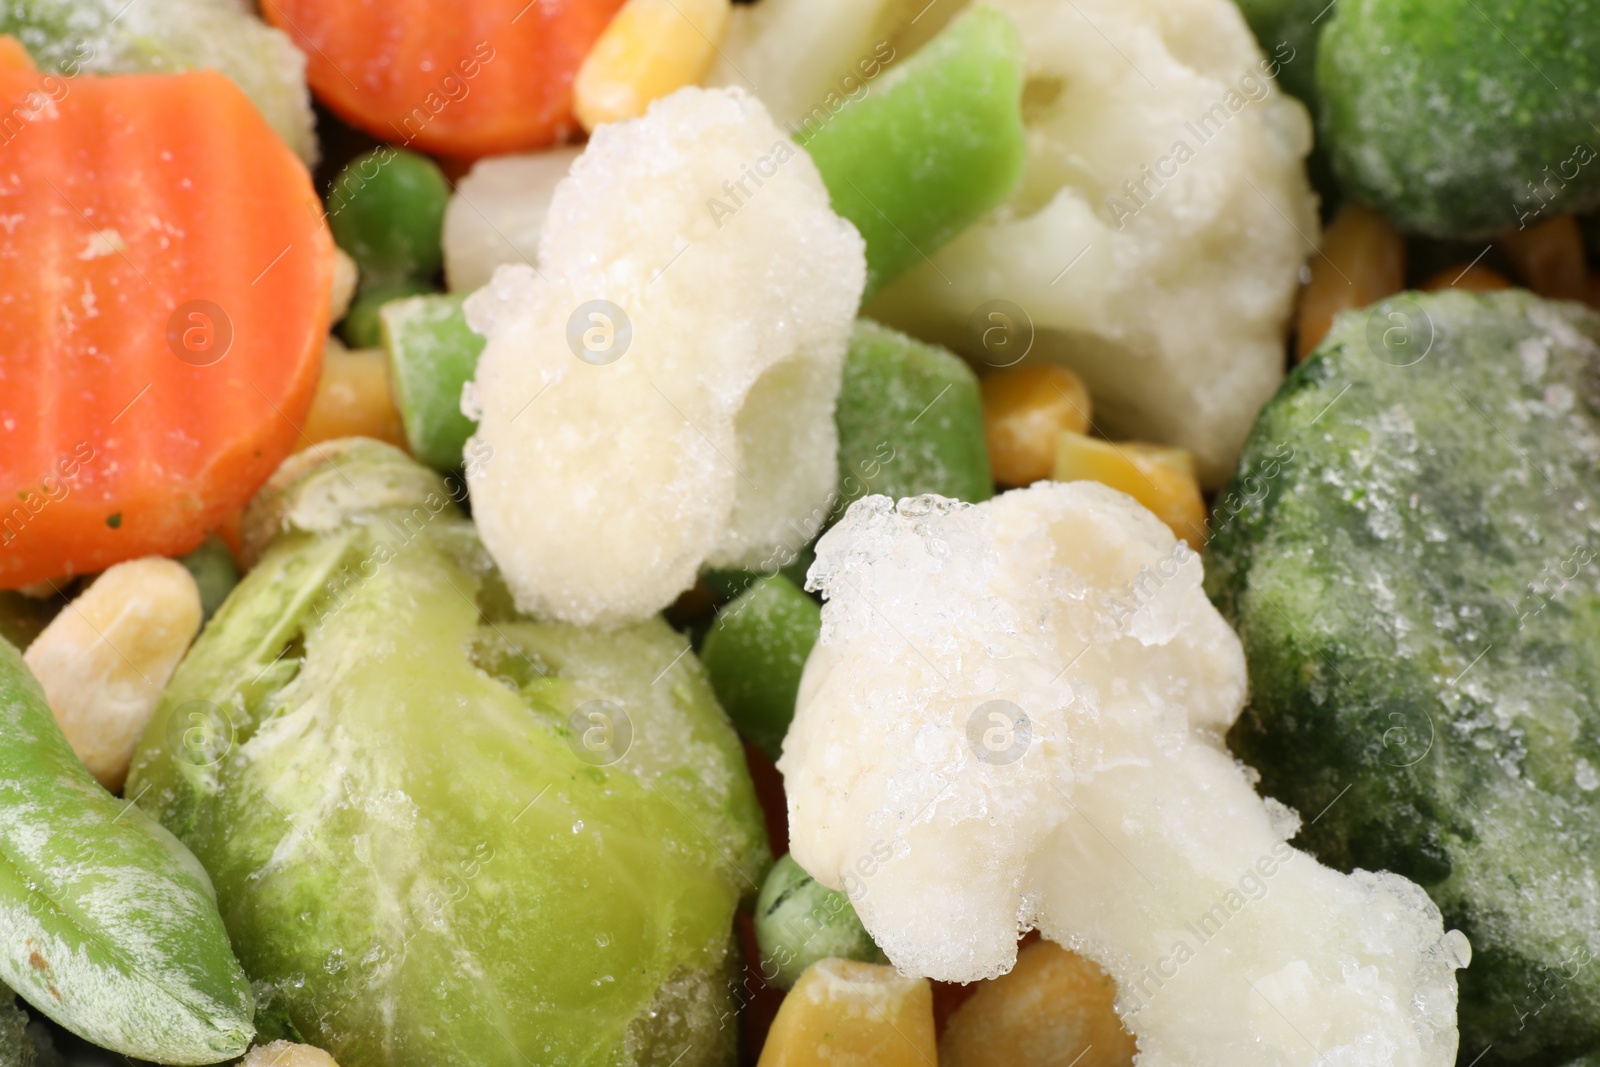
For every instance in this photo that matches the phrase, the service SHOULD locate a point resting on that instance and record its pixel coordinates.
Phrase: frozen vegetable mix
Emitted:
(1416, 595)
(647, 414)
(1464, 117)
(1154, 241)
(984, 744)
(441, 832)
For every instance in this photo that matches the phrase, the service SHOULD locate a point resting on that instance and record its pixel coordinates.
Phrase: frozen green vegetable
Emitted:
(1413, 566)
(800, 921)
(755, 653)
(363, 326)
(936, 144)
(118, 37)
(111, 926)
(1463, 117)
(910, 421)
(441, 833)
(1287, 31)
(214, 572)
(432, 354)
(386, 209)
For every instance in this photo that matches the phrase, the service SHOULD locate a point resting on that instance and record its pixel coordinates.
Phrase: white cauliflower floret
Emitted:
(1157, 236)
(622, 465)
(1014, 719)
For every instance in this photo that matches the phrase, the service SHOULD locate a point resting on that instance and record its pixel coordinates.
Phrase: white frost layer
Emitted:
(1123, 829)
(1177, 310)
(497, 212)
(710, 440)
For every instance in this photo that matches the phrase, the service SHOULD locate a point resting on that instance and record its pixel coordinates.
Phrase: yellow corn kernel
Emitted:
(1162, 479)
(847, 1014)
(1024, 411)
(1363, 260)
(287, 1054)
(353, 399)
(650, 49)
(104, 661)
(1052, 1010)
(1549, 258)
(346, 275)
(1470, 277)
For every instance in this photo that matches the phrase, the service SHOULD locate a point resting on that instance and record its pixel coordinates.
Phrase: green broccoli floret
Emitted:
(441, 832)
(1461, 117)
(1413, 565)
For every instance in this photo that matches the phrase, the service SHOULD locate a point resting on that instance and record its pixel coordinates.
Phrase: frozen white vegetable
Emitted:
(1014, 718)
(105, 659)
(1155, 242)
(808, 59)
(659, 394)
(496, 212)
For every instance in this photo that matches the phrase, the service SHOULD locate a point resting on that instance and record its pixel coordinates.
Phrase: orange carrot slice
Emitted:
(165, 279)
(469, 78)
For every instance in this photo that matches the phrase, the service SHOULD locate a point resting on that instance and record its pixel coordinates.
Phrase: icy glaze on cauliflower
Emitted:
(659, 394)
(1156, 238)
(1014, 718)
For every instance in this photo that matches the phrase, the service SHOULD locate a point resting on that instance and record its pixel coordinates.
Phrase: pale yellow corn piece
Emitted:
(1024, 410)
(650, 49)
(353, 399)
(105, 659)
(1162, 479)
(847, 1014)
(287, 1054)
(1053, 1009)
(345, 276)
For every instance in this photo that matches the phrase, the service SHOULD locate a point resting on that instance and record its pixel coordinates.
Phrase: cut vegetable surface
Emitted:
(167, 280)
(111, 927)
(464, 79)
(1419, 603)
(441, 833)
(432, 354)
(935, 146)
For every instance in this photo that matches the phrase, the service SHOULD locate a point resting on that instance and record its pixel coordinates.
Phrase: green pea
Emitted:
(386, 209)
(755, 653)
(111, 925)
(800, 921)
(362, 328)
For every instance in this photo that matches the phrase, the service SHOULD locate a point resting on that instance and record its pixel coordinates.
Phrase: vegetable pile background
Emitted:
(1043, 533)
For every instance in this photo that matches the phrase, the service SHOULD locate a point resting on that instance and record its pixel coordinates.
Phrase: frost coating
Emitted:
(1115, 821)
(1161, 153)
(710, 437)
